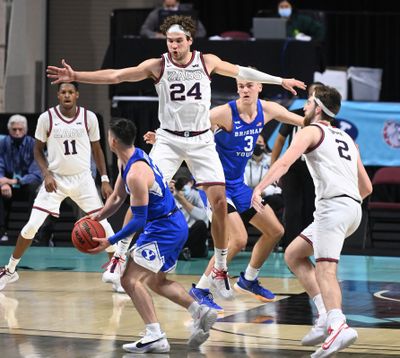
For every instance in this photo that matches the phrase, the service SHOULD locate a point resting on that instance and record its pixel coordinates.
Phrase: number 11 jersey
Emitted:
(184, 94)
(68, 139)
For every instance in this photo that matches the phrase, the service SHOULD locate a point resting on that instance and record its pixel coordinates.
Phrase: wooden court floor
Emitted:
(50, 312)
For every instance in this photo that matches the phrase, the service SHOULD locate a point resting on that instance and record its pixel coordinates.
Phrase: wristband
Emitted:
(104, 178)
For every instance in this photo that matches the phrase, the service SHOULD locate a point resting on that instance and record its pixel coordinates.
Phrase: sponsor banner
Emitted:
(375, 127)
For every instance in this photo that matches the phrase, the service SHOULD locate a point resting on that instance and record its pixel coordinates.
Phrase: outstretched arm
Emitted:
(276, 111)
(147, 69)
(216, 65)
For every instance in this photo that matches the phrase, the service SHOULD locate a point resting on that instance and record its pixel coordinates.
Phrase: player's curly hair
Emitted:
(186, 22)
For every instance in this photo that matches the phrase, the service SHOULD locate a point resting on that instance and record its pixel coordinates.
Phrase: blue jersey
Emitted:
(161, 201)
(236, 147)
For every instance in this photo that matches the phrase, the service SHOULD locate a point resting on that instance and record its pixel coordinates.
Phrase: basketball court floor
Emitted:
(60, 308)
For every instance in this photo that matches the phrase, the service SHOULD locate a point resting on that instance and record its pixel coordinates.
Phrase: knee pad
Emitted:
(29, 231)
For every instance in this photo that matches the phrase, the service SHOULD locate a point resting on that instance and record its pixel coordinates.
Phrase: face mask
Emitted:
(285, 12)
(258, 149)
(186, 189)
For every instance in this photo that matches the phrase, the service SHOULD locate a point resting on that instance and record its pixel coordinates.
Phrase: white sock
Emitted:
(203, 282)
(220, 258)
(154, 328)
(122, 247)
(251, 273)
(194, 309)
(12, 264)
(335, 318)
(319, 303)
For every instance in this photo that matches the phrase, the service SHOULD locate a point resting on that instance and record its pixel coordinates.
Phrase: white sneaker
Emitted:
(149, 343)
(220, 285)
(7, 277)
(337, 340)
(4, 238)
(202, 325)
(114, 269)
(317, 333)
(117, 287)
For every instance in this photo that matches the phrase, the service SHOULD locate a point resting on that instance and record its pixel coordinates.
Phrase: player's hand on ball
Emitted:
(103, 244)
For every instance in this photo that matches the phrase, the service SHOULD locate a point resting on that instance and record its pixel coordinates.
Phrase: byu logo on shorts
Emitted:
(148, 254)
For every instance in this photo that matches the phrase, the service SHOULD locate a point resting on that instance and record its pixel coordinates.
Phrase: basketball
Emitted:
(83, 232)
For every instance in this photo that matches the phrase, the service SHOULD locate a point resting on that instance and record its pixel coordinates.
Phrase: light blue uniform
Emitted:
(234, 149)
(166, 230)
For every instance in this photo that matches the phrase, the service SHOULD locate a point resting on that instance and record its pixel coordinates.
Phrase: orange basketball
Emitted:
(83, 232)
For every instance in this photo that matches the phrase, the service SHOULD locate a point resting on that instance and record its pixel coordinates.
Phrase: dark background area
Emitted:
(361, 33)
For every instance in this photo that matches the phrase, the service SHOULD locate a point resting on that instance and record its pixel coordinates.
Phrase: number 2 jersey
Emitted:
(68, 139)
(236, 147)
(333, 164)
(184, 93)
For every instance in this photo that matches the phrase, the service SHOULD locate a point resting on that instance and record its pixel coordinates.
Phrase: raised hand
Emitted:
(61, 74)
(290, 83)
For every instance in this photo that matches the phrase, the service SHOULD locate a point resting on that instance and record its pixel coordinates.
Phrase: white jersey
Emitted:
(184, 94)
(333, 164)
(68, 139)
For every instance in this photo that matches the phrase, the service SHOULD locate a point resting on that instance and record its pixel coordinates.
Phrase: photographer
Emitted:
(189, 201)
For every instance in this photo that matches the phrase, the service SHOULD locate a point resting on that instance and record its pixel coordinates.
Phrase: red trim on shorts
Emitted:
(204, 66)
(162, 70)
(64, 120)
(179, 65)
(46, 211)
(327, 259)
(50, 123)
(85, 119)
(320, 141)
(211, 183)
(93, 211)
(306, 238)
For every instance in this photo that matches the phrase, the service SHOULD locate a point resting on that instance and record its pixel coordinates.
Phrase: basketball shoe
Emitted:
(7, 277)
(220, 285)
(202, 323)
(317, 333)
(253, 288)
(204, 297)
(114, 269)
(149, 343)
(338, 339)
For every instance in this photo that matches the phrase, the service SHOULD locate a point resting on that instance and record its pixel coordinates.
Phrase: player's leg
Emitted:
(272, 231)
(45, 204)
(237, 241)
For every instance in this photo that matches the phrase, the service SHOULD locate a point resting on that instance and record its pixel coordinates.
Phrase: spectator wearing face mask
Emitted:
(19, 173)
(191, 203)
(300, 26)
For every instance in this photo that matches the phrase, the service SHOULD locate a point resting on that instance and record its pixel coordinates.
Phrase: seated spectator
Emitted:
(257, 166)
(151, 26)
(190, 202)
(300, 26)
(19, 173)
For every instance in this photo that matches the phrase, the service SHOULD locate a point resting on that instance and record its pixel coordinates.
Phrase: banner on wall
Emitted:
(375, 127)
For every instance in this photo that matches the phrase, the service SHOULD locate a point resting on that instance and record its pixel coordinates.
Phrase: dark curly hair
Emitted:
(186, 22)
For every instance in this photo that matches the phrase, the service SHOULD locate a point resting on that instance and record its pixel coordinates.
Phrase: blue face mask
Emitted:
(285, 11)
(186, 189)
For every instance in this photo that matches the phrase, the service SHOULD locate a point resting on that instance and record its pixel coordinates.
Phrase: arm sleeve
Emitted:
(250, 74)
(136, 223)
(149, 27)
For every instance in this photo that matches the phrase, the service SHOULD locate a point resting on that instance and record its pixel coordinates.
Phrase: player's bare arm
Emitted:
(221, 116)
(364, 183)
(99, 159)
(147, 69)
(273, 110)
(50, 183)
(114, 201)
(303, 140)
